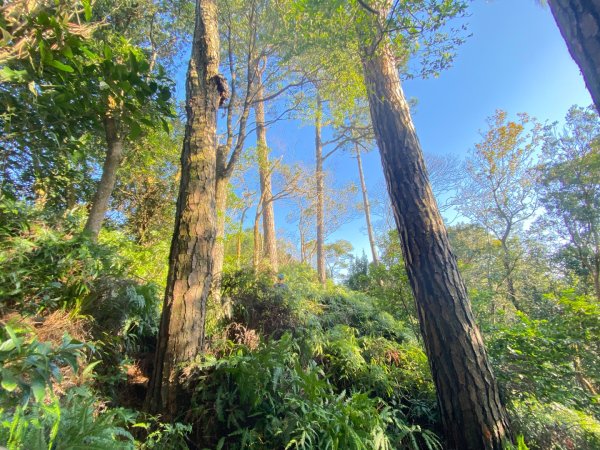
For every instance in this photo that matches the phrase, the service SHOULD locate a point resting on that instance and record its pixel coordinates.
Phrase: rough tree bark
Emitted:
(264, 170)
(579, 24)
(181, 332)
(366, 205)
(319, 178)
(472, 413)
(106, 185)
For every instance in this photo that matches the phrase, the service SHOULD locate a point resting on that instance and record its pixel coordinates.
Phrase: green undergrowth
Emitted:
(554, 426)
(295, 365)
(329, 371)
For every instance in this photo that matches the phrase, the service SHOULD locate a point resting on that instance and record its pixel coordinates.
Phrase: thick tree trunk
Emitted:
(579, 24)
(264, 170)
(114, 152)
(181, 332)
(319, 177)
(468, 397)
(367, 207)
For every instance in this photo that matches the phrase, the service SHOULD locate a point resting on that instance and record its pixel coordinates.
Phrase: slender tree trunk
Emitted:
(366, 206)
(183, 317)
(257, 241)
(579, 24)
(472, 413)
(596, 276)
(114, 152)
(319, 176)
(238, 249)
(302, 249)
(510, 284)
(264, 170)
(219, 247)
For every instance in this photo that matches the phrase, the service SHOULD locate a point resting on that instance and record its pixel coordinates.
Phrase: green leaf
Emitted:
(107, 52)
(38, 387)
(67, 51)
(89, 369)
(7, 346)
(87, 9)
(165, 125)
(13, 336)
(6, 36)
(9, 75)
(60, 66)
(9, 382)
(31, 87)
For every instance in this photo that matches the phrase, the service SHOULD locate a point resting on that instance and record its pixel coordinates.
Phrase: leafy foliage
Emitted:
(553, 426)
(29, 367)
(268, 399)
(75, 422)
(555, 359)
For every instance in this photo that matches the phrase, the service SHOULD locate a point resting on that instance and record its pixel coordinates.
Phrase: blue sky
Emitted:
(515, 60)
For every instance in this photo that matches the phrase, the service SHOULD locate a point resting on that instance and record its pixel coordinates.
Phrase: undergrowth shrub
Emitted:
(29, 368)
(359, 311)
(44, 268)
(75, 421)
(554, 358)
(259, 305)
(552, 426)
(269, 399)
(396, 372)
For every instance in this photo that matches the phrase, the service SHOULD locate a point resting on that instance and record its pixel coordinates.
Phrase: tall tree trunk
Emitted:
(579, 24)
(366, 206)
(257, 240)
(302, 249)
(468, 396)
(183, 317)
(264, 170)
(114, 152)
(238, 250)
(596, 275)
(319, 177)
(219, 247)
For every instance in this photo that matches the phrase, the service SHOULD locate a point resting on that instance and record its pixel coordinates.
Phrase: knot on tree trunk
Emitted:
(222, 88)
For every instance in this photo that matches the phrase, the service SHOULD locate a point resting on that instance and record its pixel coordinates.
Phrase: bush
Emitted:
(43, 269)
(556, 359)
(552, 426)
(78, 421)
(269, 399)
(396, 372)
(29, 368)
(259, 305)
